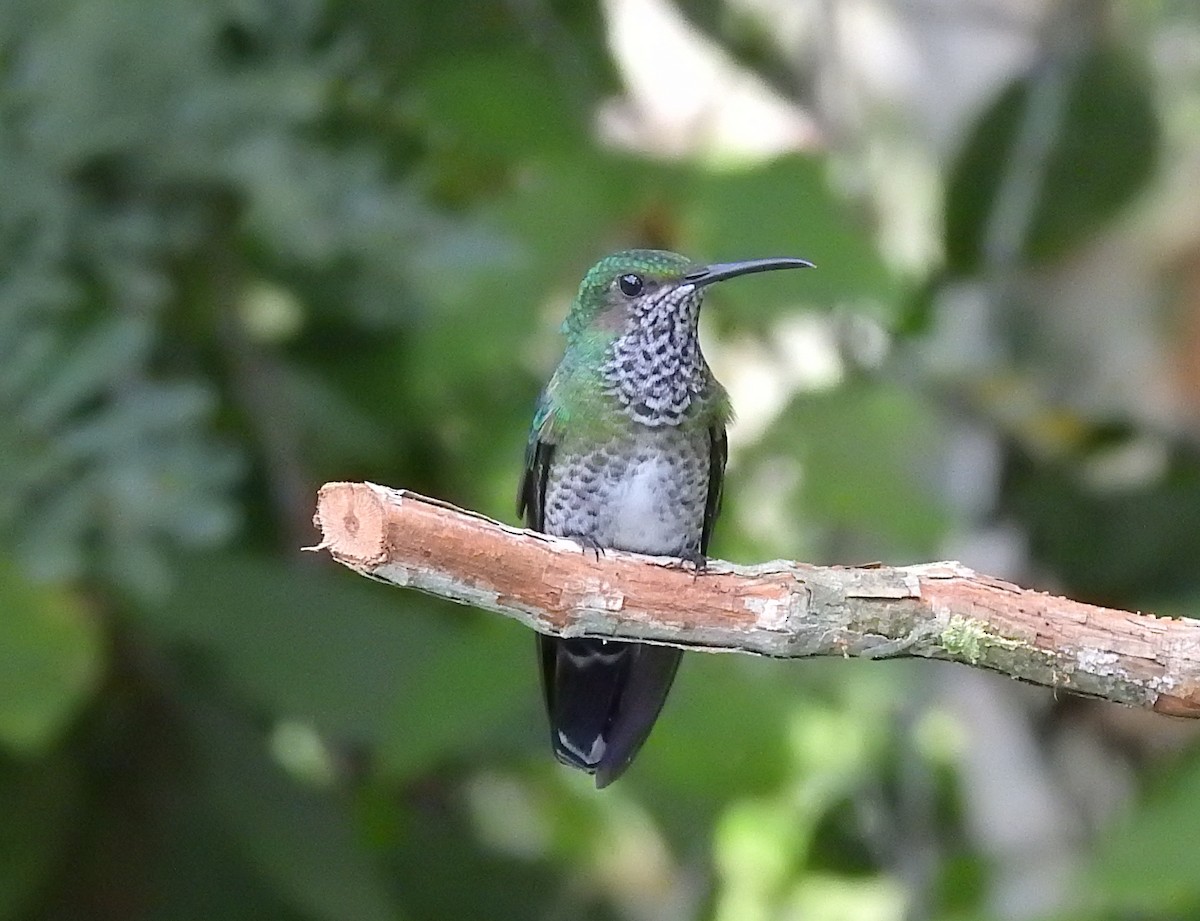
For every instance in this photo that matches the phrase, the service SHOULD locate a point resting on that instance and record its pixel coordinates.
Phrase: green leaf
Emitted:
(470, 104)
(460, 694)
(38, 801)
(81, 373)
(51, 658)
(302, 841)
(865, 450)
(303, 641)
(724, 732)
(422, 679)
(1149, 863)
(785, 208)
(447, 875)
(1081, 529)
(1098, 155)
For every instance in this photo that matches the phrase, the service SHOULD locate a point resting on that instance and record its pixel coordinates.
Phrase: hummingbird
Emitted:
(627, 452)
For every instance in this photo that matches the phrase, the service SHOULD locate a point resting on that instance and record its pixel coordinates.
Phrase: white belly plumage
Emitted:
(644, 492)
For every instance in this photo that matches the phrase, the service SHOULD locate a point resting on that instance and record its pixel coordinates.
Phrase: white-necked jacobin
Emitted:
(627, 451)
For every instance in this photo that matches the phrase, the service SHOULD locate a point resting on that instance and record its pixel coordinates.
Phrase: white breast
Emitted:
(643, 491)
(639, 515)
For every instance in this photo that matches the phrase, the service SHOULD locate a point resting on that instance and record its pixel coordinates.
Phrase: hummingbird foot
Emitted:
(587, 543)
(693, 559)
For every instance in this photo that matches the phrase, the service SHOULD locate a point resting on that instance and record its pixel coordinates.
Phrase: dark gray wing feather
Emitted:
(718, 454)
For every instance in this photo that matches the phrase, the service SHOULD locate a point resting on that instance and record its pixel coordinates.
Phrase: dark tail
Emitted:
(602, 697)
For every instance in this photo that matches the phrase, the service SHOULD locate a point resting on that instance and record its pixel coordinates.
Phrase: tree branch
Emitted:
(782, 609)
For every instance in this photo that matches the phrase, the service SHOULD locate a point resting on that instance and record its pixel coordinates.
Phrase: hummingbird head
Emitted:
(637, 311)
(614, 289)
(646, 285)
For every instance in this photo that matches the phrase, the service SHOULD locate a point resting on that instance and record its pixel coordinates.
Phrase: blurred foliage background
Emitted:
(248, 246)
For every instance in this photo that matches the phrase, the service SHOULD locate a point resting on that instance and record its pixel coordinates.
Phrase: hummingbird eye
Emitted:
(631, 285)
